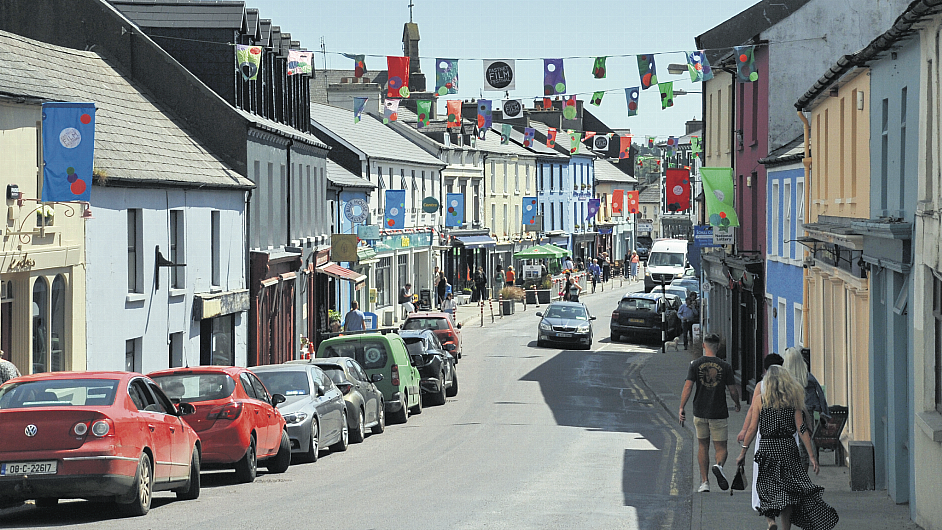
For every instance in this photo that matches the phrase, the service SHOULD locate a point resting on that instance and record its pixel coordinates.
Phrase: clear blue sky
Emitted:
(522, 29)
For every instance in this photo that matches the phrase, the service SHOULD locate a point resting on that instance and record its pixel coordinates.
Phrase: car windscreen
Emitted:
(666, 259)
(196, 387)
(425, 323)
(415, 345)
(568, 313)
(59, 393)
(289, 383)
(335, 373)
(637, 304)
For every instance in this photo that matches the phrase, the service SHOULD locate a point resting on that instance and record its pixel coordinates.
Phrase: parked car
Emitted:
(314, 408)
(565, 322)
(382, 353)
(673, 292)
(441, 324)
(236, 418)
(641, 313)
(435, 363)
(366, 408)
(691, 284)
(95, 435)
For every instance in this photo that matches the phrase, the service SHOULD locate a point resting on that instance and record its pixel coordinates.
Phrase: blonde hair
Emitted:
(795, 364)
(780, 390)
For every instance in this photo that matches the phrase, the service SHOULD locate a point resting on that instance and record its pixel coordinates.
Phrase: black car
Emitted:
(366, 408)
(565, 322)
(435, 362)
(643, 247)
(641, 314)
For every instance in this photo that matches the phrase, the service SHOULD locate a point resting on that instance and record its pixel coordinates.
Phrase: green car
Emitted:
(382, 354)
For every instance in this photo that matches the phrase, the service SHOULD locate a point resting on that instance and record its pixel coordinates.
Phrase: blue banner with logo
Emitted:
(454, 209)
(395, 216)
(529, 211)
(68, 132)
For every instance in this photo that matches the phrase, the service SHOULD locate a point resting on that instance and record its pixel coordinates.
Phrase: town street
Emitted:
(536, 438)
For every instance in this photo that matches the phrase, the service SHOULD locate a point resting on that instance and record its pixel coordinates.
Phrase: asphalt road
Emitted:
(536, 438)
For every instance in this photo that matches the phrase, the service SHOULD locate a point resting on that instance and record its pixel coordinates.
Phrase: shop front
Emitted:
(469, 250)
(402, 256)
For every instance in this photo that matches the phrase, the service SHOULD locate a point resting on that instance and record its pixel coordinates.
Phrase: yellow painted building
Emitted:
(42, 258)
(837, 287)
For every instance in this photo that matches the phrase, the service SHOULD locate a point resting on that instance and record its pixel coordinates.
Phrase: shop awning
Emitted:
(477, 241)
(336, 271)
(366, 255)
(560, 252)
(538, 252)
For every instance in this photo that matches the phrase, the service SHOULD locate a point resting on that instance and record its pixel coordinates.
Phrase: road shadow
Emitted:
(73, 512)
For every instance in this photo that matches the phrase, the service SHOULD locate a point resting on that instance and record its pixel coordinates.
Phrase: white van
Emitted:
(666, 261)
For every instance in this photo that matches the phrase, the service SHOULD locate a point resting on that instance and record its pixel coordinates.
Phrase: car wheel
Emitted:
(380, 418)
(453, 391)
(402, 416)
(192, 489)
(357, 434)
(142, 491)
(344, 440)
(417, 409)
(47, 502)
(247, 467)
(438, 398)
(314, 445)
(280, 462)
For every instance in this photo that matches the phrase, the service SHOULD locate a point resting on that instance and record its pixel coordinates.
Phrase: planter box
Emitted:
(507, 307)
(538, 296)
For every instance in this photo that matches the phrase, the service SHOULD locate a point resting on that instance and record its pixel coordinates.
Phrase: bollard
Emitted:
(500, 304)
(490, 303)
(481, 304)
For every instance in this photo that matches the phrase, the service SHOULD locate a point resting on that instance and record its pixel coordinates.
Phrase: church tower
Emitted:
(410, 49)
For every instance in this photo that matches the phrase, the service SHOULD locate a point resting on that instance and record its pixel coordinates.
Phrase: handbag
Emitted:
(739, 481)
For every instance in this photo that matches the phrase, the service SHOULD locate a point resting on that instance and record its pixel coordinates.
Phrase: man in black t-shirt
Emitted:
(712, 377)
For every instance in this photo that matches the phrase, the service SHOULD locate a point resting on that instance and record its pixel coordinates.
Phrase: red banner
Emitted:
(454, 113)
(624, 147)
(678, 190)
(551, 138)
(397, 86)
(618, 198)
(633, 206)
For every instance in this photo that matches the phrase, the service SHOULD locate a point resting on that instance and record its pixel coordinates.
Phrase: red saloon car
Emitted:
(236, 418)
(94, 435)
(446, 331)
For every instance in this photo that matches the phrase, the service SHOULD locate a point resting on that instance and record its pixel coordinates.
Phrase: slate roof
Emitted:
(184, 13)
(136, 139)
(562, 141)
(793, 151)
(341, 176)
(650, 194)
(333, 77)
(605, 171)
(739, 29)
(371, 137)
(251, 22)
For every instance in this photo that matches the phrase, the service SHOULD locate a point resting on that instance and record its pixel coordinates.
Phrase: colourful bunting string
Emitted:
(454, 211)
(551, 138)
(499, 75)
(618, 199)
(695, 147)
(505, 130)
(671, 145)
(699, 67)
(597, 98)
(718, 195)
(454, 113)
(624, 147)
(530, 206)
(632, 95)
(598, 69)
(600, 142)
(593, 208)
(651, 141)
(554, 79)
(589, 134)
(667, 94)
(398, 84)
(745, 64)
(390, 110)
(647, 70)
(300, 62)
(575, 140)
(512, 108)
(446, 76)
(395, 212)
(678, 189)
(569, 107)
(632, 201)
(358, 105)
(528, 134)
(249, 59)
(485, 115)
(424, 110)
(359, 64)
(547, 103)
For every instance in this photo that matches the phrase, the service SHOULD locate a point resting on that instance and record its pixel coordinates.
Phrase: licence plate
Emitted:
(636, 320)
(564, 334)
(28, 468)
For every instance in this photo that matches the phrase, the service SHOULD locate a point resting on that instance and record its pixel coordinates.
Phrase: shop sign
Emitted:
(703, 236)
(723, 236)
(430, 205)
(368, 232)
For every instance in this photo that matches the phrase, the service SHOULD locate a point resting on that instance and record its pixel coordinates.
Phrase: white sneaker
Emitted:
(704, 488)
(720, 477)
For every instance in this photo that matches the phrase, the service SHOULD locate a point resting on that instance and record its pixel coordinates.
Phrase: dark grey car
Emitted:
(365, 406)
(314, 410)
(435, 362)
(565, 322)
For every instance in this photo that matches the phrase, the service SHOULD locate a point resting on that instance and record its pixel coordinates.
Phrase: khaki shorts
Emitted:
(718, 430)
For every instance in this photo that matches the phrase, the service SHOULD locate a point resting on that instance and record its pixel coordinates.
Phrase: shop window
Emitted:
(135, 258)
(57, 321)
(383, 282)
(402, 268)
(176, 248)
(132, 355)
(175, 350)
(40, 325)
(217, 341)
(214, 248)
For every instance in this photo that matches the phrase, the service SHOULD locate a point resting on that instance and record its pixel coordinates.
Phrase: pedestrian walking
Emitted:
(571, 289)
(606, 267)
(441, 288)
(635, 263)
(689, 315)
(354, 319)
(499, 278)
(785, 489)
(596, 272)
(772, 359)
(405, 300)
(712, 377)
(8, 370)
(449, 306)
(815, 401)
(480, 286)
(568, 265)
(511, 276)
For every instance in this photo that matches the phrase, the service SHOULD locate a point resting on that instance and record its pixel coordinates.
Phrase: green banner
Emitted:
(718, 193)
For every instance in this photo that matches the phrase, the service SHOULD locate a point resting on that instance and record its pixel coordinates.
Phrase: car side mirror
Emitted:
(539, 314)
(321, 391)
(592, 317)
(278, 399)
(450, 347)
(459, 325)
(376, 378)
(415, 359)
(185, 409)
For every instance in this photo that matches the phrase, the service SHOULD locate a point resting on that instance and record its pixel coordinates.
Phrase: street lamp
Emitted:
(676, 69)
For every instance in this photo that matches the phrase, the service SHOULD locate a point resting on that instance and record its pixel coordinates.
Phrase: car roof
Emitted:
(568, 304)
(428, 314)
(294, 367)
(230, 370)
(647, 296)
(79, 375)
(412, 333)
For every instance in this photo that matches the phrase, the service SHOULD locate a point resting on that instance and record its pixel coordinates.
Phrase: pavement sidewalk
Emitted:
(665, 374)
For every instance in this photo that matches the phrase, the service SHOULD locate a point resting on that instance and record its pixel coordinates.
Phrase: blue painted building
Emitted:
(784, 292)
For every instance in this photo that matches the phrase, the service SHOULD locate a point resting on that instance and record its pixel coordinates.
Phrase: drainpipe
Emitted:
(806, 161)
(288, 193)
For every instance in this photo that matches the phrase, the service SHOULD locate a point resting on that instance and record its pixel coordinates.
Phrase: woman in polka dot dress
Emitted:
(783, 484)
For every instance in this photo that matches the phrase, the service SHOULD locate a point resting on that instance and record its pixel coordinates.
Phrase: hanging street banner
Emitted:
(249, 59)
(454, 209)
(499, 75)
(395, 209)
(718, 195)
(68, 140)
